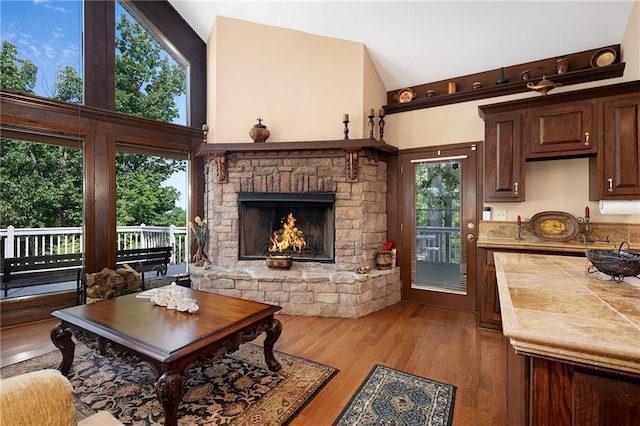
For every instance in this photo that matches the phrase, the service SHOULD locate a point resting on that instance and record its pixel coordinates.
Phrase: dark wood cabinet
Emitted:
(503, 158)
(566, 129)
(549, 392)
(489, 301)
(602, 123)
(615, 174)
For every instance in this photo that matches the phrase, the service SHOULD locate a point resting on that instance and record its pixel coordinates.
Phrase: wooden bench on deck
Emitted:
(29, 271)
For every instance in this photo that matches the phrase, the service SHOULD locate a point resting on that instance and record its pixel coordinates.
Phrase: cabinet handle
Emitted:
(586, 138)
(516, 189)
(610, 180)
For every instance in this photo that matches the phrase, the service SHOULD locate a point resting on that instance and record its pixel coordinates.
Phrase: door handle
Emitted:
(471, 237)
(610, 189)
(586, 138)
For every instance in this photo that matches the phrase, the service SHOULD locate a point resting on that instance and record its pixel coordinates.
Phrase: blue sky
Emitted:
(47, 32)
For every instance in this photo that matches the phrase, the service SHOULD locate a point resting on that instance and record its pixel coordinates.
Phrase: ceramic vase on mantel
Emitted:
(259, 132)
(279, 262)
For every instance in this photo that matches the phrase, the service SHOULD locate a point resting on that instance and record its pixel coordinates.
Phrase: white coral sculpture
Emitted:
(174, 298)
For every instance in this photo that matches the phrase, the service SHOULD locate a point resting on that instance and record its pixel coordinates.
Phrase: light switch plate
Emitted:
(499, 215)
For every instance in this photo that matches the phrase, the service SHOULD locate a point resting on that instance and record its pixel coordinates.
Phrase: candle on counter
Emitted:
(380, 112)
(586, 212)
(345, 117)
(371, 112)
(519, 220)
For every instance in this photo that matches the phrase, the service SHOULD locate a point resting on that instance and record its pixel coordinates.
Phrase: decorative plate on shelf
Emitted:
(603, 57)
(405, 95)
(554, 226)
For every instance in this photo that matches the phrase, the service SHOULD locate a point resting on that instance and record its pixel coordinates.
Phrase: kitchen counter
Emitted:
(552, 308)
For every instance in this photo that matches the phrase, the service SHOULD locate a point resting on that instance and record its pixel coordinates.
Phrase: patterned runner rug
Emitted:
(392, 397)
(236, 390)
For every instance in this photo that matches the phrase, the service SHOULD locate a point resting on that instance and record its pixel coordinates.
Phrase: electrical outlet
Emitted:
(499, 215)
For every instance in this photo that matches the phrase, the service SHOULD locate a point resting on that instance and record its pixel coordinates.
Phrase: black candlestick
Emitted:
(346, 129)
(381, 126)
(371, 126)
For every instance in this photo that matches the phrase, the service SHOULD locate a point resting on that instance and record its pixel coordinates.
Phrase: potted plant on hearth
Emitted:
(385, 259)
(284, 242)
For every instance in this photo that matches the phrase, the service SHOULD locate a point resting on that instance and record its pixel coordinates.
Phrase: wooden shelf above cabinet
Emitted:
(566, 79)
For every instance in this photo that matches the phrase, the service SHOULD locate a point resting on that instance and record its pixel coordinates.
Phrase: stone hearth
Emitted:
(355, 171)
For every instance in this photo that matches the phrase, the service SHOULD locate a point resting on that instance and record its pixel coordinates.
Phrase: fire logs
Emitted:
(110, 283)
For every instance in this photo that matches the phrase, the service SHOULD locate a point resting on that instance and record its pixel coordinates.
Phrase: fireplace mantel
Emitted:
(352, 148)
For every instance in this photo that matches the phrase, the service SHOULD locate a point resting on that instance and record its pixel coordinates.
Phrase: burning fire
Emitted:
(291, 237)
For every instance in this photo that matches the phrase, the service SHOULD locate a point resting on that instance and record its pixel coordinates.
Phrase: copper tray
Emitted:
(554, 226)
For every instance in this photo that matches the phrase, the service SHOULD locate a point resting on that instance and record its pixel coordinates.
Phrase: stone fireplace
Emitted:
(339, 191)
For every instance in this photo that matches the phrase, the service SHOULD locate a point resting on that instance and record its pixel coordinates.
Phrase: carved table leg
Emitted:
(273, 333)
(62, 338)
(169, 389)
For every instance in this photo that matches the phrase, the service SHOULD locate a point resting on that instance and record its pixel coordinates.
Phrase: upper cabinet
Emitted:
(503, 158)
(615, 173)
(602, 123)
(564, 129)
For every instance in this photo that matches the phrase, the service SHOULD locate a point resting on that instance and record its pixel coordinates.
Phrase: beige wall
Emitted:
(302, 84)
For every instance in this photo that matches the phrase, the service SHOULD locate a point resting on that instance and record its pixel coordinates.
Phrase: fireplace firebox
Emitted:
(262, 214)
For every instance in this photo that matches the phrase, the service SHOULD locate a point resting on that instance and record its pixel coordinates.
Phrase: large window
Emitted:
(109, 34)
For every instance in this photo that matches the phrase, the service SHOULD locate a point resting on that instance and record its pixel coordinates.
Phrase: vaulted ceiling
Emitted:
(418, 42)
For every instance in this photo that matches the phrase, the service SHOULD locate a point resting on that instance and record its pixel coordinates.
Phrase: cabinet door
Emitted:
(488, 300)
(503, 158)
(619, 175)
(562, 130)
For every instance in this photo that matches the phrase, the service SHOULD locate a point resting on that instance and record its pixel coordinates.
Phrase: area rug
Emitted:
(236, 390)
(392, 397)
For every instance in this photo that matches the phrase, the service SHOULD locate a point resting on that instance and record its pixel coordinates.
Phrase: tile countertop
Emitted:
(552, 307)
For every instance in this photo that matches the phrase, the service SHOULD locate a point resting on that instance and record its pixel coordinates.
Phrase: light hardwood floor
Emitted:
(441, 344)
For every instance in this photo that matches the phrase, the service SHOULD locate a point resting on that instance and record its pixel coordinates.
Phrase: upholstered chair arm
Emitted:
(43, 397)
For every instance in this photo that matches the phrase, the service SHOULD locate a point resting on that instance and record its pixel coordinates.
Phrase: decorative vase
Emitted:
(279, 262)
(384, 259)
(259, 132)
(200, 257)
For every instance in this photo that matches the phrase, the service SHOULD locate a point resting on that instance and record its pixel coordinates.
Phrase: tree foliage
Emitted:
(438, 194)
(68, 86)
(41, 185)
(16, 73)
(146, 82)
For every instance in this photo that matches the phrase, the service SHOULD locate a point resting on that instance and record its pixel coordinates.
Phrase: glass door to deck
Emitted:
(440, 229)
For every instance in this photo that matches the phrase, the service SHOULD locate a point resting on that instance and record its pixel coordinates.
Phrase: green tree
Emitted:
(40, 185)
(146, 82)
(438, 193)
(140, 196)
(68, 86)
(16, 73)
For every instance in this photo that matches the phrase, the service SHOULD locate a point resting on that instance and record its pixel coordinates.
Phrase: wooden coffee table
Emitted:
(168, 341)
